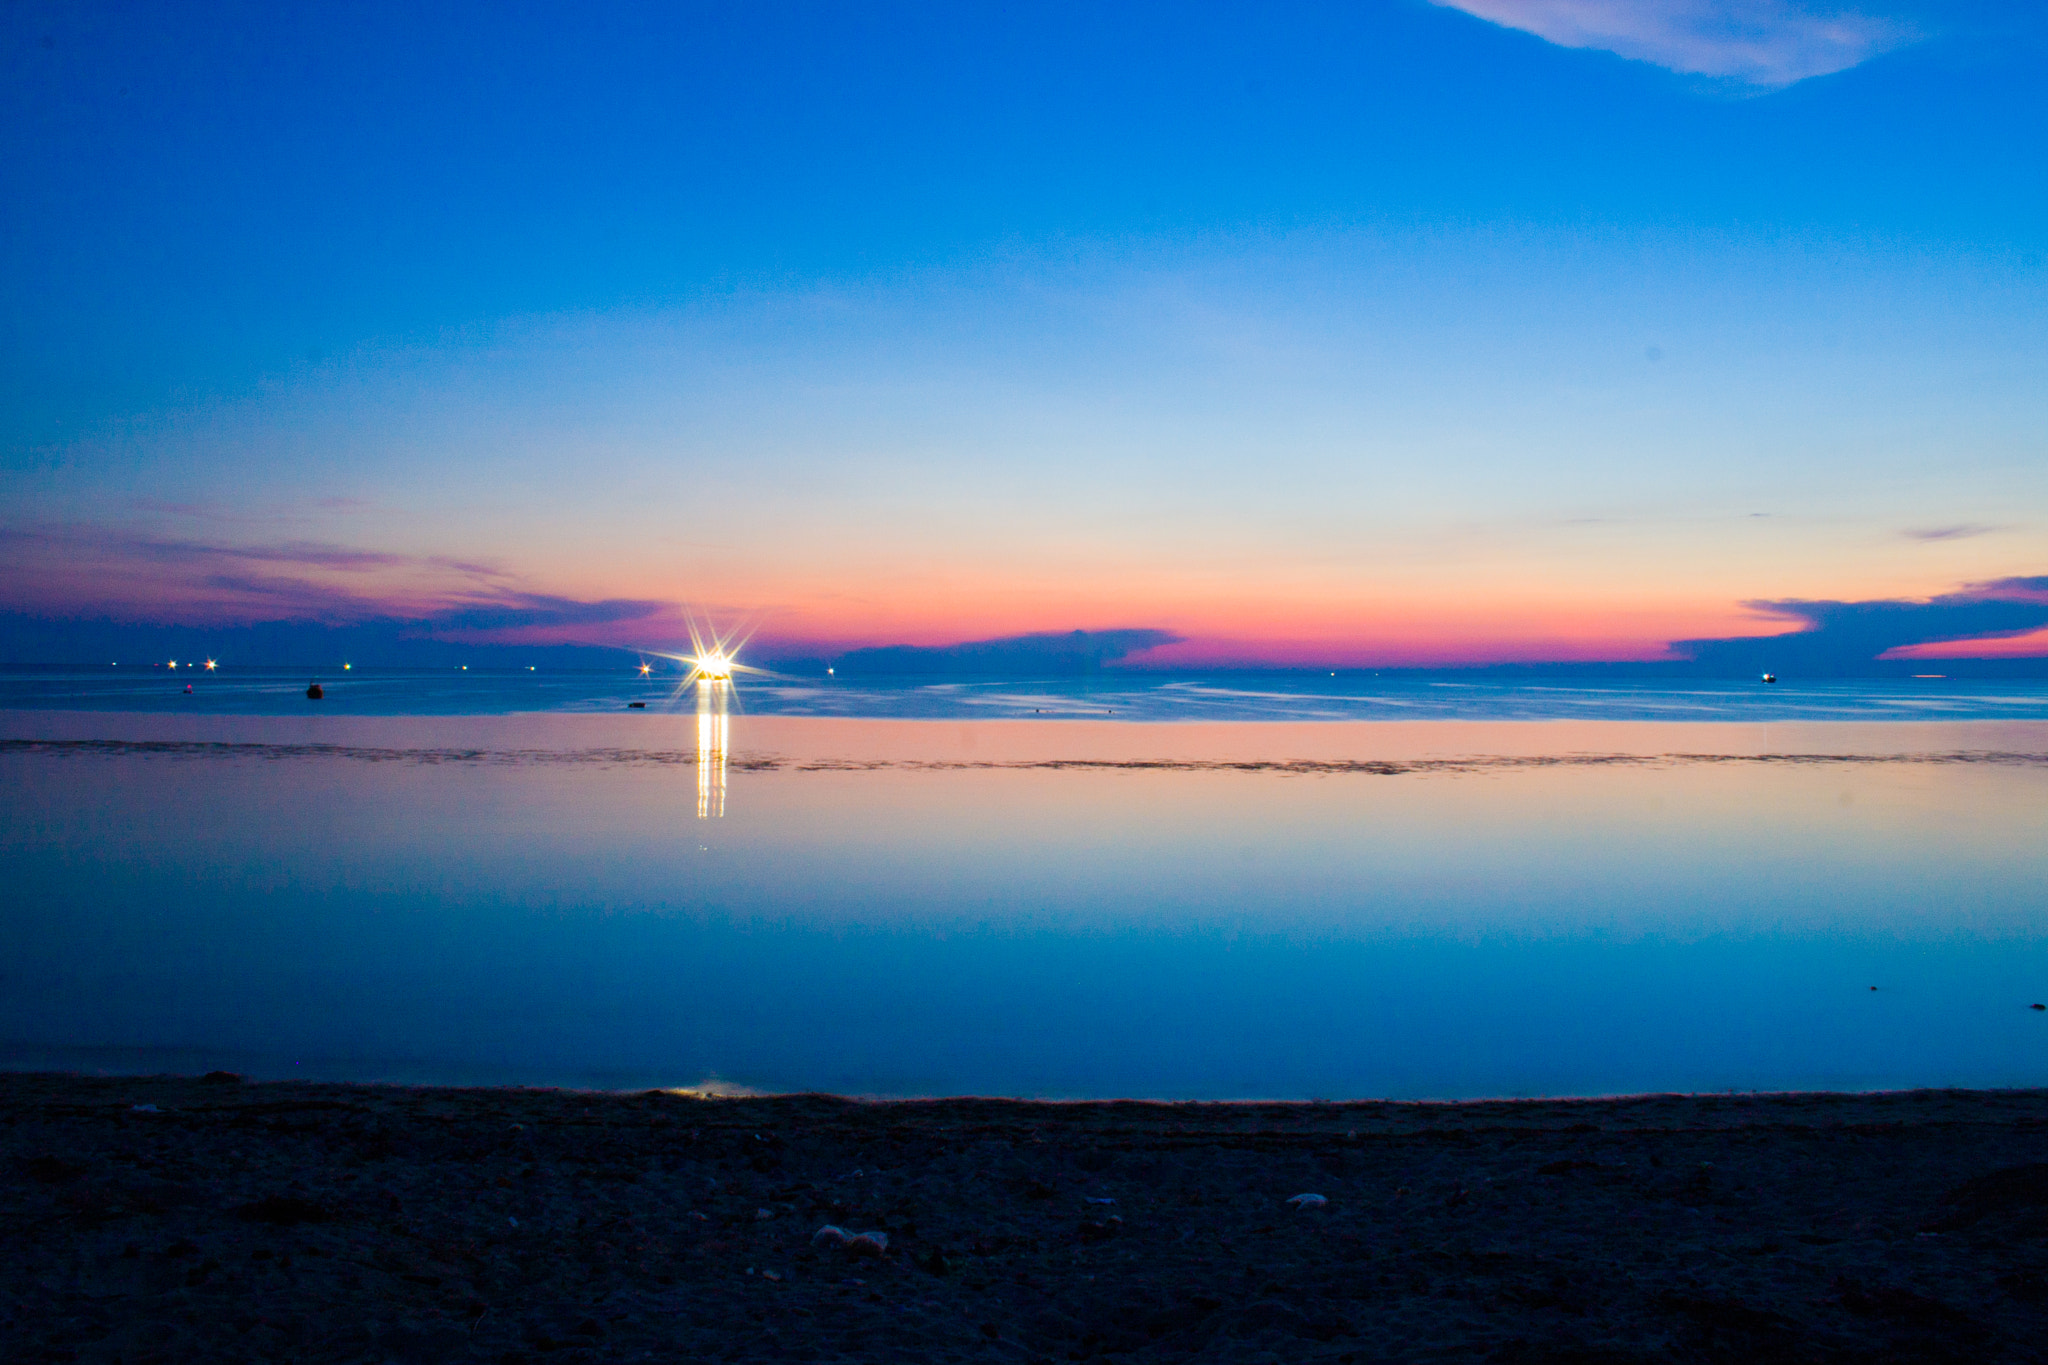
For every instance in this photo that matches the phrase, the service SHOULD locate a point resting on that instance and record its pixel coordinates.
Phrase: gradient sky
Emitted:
(1383, 331)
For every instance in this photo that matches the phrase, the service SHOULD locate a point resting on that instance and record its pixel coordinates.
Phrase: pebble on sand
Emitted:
(1308, 1201)
(858, 1243)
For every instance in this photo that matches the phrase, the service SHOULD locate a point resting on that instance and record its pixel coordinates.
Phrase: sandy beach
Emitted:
(169, 1219)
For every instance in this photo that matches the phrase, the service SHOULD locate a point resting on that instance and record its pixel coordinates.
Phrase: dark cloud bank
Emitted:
(1833, 640)
(1839, 639)
(1052, 654)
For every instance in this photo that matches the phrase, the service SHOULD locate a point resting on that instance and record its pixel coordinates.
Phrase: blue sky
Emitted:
(1382, 331)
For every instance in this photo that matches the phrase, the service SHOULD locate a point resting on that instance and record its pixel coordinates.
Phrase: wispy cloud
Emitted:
(1959, 532)
(524, 613)
(56, 571)
(1767, 44)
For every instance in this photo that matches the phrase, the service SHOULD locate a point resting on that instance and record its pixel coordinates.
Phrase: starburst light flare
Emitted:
(714, 655)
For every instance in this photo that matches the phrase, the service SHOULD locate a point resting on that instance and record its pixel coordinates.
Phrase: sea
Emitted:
(1163, 886)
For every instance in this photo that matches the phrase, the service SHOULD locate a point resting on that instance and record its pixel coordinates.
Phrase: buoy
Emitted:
(313, 692)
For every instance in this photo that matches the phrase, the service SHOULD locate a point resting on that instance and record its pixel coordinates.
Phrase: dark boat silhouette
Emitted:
(1770, 677)
(313, 692)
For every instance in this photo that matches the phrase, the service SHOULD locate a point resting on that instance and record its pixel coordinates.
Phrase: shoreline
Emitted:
(232, 1220)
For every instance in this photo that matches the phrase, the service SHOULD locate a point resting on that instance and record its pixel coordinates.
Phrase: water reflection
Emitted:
(714, 722)
(1166, 911)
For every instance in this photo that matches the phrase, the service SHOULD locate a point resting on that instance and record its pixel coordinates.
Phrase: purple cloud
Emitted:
(54, 572)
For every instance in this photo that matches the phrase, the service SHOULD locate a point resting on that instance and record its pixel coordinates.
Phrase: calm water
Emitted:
(1147, 697)
(549, 889)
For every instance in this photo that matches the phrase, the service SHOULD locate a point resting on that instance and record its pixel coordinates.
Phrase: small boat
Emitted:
(1770, 677)
(636, 706)
(313, 692)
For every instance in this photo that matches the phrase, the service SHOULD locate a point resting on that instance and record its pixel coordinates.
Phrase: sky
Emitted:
(1369, 333)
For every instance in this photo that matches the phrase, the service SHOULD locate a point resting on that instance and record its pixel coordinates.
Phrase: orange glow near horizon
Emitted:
(1394, 607)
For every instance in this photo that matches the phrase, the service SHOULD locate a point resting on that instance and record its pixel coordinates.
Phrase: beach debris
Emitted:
(1102, 1231)
(144, 1109)
(2002, 1191)
(1309, 1201)
(771, 1275)
(1093, 1200)
(513, 1221)
(763, 1215)
(855, 1243)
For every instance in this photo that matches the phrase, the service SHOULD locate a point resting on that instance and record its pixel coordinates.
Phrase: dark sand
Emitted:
(349, 1223)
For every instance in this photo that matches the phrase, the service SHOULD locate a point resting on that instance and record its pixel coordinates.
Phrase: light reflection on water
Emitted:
(714, 736)
(1028, 908)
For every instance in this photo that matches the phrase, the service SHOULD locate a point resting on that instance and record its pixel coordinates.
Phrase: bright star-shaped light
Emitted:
(714, 656)
(645, 669)
(211, 665)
